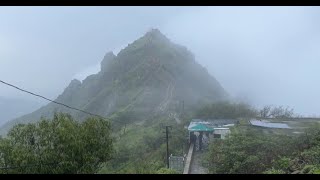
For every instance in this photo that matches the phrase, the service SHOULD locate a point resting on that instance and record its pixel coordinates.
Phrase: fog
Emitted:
(260, 55)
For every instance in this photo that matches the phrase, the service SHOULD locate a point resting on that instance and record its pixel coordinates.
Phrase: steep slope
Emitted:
(152, 75)
(12, 108)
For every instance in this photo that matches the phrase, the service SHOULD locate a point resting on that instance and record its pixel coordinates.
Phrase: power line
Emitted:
(86, 112)
(20, 89)
(73, 108)
(70, 107)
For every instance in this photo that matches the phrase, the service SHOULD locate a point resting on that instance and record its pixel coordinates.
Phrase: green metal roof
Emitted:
(199, 127)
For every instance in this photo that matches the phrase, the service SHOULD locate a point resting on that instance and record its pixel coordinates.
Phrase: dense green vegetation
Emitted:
(65, 145)
(141, 149)
(59, 145)
(137, 90)
(248, 150)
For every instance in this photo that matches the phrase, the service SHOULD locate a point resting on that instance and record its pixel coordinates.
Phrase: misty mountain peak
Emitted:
(154, 35)
(152, 38)
(152, 74)
(106, 60)
(75, 83)
(154, 32)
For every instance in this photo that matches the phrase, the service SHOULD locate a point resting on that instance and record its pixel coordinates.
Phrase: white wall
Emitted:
(223, 132)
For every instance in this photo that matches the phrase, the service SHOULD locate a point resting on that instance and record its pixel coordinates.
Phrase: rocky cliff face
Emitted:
(150, 75)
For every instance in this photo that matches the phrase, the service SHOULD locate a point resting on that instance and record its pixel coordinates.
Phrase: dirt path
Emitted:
(169, 94)
(168, 97)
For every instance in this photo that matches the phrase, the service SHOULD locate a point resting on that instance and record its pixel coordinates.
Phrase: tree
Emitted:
(265, 112)
(276, 112)
(226, 110)
(60, 145)
(248, 152)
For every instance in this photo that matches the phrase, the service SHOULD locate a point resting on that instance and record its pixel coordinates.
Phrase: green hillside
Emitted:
(152, 75)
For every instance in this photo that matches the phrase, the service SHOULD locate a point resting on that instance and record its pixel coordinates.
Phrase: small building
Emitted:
(201, 131)
(196, 132)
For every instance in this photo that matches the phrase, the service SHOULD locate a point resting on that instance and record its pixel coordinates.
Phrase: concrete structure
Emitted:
(216, 122)
(201, 131)
(221, 133)
(188, 159)
(268, 124)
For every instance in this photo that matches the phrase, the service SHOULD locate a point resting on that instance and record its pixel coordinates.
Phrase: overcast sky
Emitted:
(263, 55)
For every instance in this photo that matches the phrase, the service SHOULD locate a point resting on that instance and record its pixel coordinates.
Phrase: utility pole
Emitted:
(167, 138)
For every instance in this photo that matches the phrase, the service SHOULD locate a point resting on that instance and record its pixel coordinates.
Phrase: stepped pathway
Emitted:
(169, 94)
